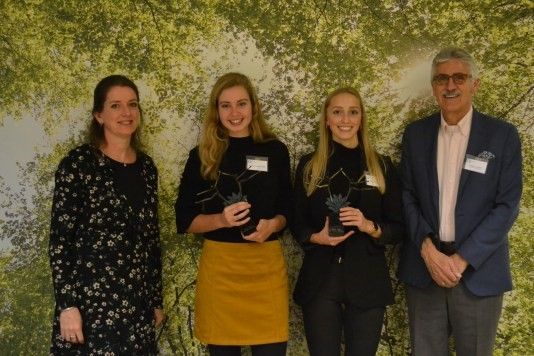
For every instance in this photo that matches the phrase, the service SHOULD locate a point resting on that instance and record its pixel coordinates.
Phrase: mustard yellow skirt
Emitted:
(242, 294)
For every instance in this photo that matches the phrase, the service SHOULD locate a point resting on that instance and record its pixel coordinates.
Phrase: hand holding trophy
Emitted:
(248, 227)
(335, 203)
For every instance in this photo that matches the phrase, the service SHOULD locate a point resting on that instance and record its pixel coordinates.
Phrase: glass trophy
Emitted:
(250, 226)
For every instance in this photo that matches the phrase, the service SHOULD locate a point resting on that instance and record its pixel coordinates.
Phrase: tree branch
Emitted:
(158, 28)
(517, 103)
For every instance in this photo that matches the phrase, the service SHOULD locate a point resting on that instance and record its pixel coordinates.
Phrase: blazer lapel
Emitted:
(474, 145)
(433, 165)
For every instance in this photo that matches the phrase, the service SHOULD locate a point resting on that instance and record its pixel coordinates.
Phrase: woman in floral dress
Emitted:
(104, 239)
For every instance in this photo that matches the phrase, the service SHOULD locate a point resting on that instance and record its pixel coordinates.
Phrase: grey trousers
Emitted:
(435, 313)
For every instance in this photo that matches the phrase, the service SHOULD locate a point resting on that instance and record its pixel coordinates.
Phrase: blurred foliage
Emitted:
(54, 52)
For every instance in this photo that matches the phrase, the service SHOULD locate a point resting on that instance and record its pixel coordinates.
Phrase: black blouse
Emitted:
(366, 274)
(129, 181)
(268, 192)
(345, 174)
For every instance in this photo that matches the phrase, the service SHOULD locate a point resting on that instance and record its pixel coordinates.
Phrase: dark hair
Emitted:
(96, 130)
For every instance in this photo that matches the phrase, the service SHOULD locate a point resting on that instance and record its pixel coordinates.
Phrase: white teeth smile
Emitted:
(236, 122)
(344, 128)
(451, 95)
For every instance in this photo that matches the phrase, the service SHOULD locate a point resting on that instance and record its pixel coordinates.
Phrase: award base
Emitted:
(335, 228)
(248, 228)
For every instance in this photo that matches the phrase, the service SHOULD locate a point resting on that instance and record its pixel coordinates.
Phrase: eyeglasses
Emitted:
(457, 78)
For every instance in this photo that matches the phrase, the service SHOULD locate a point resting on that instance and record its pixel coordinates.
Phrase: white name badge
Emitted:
(370, 180)
(476, 164)
(258, 163)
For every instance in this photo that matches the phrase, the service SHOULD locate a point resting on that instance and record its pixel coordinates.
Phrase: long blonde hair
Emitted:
(214, 138)
(315, 169)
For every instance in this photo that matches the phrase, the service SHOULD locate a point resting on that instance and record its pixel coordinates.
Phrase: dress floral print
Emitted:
(105, 256)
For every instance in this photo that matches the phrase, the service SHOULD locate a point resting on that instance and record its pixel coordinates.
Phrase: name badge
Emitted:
(258, 163)
(370, 180)
(476, 164)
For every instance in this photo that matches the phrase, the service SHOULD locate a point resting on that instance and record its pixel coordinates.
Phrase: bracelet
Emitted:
(375, 226)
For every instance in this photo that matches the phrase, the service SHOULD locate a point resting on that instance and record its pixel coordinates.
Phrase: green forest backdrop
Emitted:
(54, 52)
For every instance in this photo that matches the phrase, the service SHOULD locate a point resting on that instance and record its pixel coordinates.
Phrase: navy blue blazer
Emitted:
(486, 208)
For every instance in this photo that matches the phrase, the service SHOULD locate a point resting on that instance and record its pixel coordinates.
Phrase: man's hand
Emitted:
(441, 267)
(460, 263)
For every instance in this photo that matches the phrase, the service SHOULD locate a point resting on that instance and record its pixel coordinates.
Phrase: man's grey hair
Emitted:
(446, 54)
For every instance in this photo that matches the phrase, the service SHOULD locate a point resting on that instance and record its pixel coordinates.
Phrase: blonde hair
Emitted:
(214, 138)
(315, 169)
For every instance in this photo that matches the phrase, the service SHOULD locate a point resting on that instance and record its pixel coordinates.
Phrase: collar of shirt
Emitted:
(464, 125)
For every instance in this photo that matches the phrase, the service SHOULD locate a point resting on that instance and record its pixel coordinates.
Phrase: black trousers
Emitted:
(275, 349)
(329, 316)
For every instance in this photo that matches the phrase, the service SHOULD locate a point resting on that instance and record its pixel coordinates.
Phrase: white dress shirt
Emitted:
(452, 145)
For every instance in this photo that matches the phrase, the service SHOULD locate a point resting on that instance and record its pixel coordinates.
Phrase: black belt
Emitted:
(447, 247)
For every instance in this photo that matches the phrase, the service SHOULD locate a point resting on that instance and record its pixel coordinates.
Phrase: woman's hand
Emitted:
(322, 237)
(264, 229)
(354, 217)
(234, 214)
(159, 316)
(70, 325)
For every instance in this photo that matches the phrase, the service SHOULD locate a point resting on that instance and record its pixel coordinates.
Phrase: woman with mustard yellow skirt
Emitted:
(235, 190)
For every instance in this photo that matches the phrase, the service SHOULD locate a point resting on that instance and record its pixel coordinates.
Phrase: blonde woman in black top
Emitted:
(347, 207)
(235, 190)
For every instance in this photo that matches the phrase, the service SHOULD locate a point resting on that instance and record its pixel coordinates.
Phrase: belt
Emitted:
(447, 247)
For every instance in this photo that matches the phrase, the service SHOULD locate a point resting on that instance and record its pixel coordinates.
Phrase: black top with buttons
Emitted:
(366, 276)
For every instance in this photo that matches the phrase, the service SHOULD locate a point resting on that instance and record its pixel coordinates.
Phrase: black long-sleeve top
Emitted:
(367, 278)
(269, 193)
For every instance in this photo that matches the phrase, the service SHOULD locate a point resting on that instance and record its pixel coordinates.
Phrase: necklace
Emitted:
(122, 160)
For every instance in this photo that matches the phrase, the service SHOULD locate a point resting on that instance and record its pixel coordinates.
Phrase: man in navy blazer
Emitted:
(461, 173)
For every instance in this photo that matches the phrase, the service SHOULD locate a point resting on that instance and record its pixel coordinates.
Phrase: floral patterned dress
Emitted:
(105, 255)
